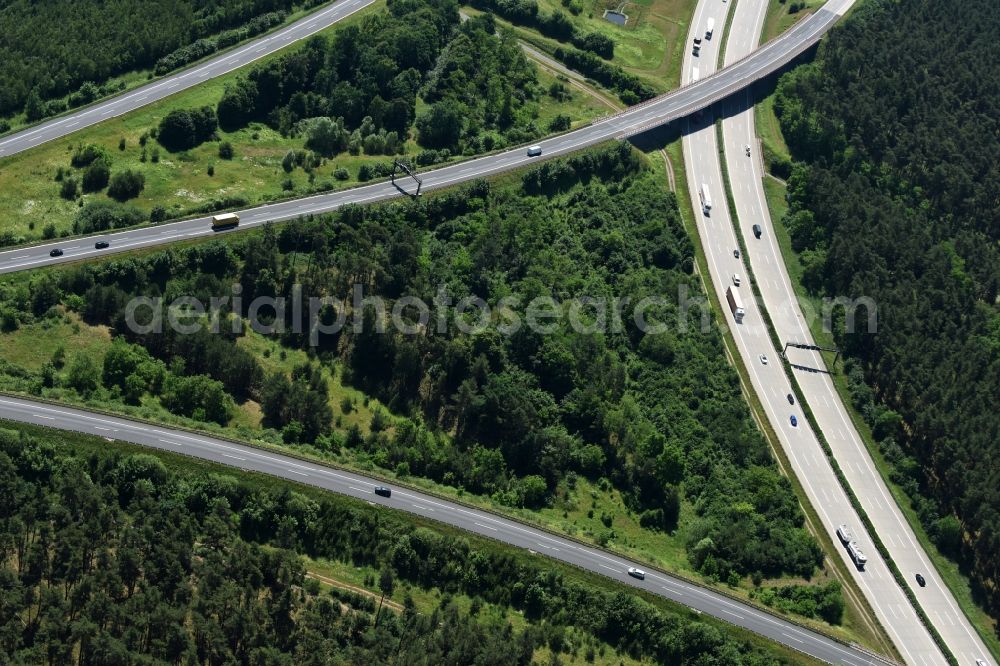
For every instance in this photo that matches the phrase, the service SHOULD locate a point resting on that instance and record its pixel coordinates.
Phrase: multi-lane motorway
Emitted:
(799, 442)
(666, 108)
(743, 68)
(745, 174)
(223, 64)
(467, 518)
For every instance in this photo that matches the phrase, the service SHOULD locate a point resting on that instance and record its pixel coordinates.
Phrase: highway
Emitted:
(764, 255)
(666, 108)
(800, 444)
(483, 523)
(224, 63)
(743, 67)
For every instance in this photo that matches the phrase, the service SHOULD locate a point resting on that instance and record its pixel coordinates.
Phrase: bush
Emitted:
(226, 150)
(341, 173)
(49, 232)
(69, 188)
(211, 170)
(560, 123)
(104, 215)
(85, 155)
(126, 185)
(95, 178)
(158, 214)
(183, 129)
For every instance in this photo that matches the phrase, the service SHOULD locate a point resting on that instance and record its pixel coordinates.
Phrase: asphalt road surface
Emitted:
(769, 381)
(658, 111)
(175, 83)
(481, 522)
(746, 178)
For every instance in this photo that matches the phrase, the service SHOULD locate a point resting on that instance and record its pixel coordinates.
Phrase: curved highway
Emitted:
(174, 83)
(484, 523)
(800, 444)
(660, 110)
(746, 178)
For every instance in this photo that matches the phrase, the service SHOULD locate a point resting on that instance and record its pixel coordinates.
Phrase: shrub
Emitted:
(341, 173)
(85, 155)
(560, 123)
(126, 185)
(104, 215)
(69, 188)
(226, 150)
(182, 129)
(96, 176)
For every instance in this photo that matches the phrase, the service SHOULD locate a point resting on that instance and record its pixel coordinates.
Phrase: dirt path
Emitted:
(354, 588)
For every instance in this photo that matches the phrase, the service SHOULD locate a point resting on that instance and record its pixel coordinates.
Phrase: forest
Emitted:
(116, 557)
(659, 417)
(896, 196)
(50, 49)
(360, 88)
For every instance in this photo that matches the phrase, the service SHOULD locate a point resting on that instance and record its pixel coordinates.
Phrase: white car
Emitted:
(763, 359)
(748, 150)
(534, 151)
(637, 573)
(736, 280)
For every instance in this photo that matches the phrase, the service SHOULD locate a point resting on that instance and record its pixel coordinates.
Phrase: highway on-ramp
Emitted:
(484, 523)
(655, 112)
(152, 92)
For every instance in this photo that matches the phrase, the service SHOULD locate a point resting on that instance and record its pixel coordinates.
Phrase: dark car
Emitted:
(55, 253)
(757, 231)
(383, 491)
(736, 253)
(795, 421)
(100, 245)
(791, 399)
(920, 580)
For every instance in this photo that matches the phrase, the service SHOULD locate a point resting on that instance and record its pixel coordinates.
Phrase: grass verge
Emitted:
(780, 18)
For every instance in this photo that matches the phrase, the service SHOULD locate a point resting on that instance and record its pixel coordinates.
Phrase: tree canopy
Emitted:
(897, 198)
(50, 49)
(113, 556)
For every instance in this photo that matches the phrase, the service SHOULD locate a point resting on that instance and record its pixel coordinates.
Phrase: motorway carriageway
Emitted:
(677, 104)
(484, 523)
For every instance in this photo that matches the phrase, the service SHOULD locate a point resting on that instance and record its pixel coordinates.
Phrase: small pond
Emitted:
(616, 17)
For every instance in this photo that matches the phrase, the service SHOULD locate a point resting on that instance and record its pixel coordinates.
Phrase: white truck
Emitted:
(855, 552)
(735, 304)
(844, 535)
(709, 28)
(706, 198)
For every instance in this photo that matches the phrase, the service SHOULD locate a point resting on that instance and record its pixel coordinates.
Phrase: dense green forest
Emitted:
(359, 90)
(897, 197)
(49, 49)
(112, 557)
(659, 417)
